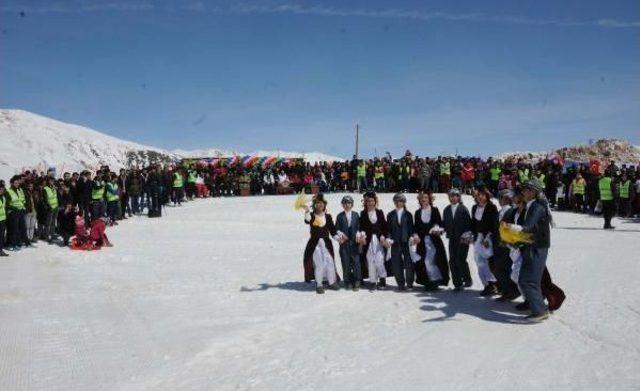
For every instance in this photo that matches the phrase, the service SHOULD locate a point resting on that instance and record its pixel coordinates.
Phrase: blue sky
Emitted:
(478, 77)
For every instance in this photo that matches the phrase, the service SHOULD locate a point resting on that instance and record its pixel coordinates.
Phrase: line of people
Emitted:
(409, 247)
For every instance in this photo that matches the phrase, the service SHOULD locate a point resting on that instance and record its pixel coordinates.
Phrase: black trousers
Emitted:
(458, 252)
(17, 228)
(3, 229)
(502, 270)
(608, 211)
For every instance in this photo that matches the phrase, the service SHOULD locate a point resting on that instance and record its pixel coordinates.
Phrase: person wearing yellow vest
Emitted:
(494, 177)
(607, 199)
(523, 175)
(97, 196)
(578, 187)
(113, 200)
(51, 202)
(624, 196)
(3, 219)
(177, 186)
(445, 176)
(379, 177)
(190, 187)
(362, 176)
(16, 210)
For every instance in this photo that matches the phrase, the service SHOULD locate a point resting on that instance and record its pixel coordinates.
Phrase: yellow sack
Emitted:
(301, 201)
(511, 236)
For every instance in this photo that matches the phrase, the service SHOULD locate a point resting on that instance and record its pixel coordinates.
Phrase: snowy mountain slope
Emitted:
(604, 149)
(36, 142)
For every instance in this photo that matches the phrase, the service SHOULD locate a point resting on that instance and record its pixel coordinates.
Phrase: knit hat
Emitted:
(454, 191)
(534, 184)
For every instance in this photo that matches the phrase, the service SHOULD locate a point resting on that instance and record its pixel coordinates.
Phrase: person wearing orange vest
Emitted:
(3, 218)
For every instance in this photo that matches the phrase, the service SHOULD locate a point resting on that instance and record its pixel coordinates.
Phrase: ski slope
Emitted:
(210, 298)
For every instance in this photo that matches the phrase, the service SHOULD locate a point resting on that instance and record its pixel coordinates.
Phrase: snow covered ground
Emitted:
(210, 297)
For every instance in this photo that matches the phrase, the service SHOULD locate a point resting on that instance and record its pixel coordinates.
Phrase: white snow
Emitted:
(210, 297)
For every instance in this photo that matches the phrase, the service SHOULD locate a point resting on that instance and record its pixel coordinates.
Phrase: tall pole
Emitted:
(357, 139)
(357, 142)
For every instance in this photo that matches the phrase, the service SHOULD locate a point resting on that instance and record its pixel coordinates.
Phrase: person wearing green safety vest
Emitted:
(605, 189)
(379, 177)
(97, 186)
(16, 212)
(523, 175)
(190, 187)
(494, 177)
(113, 200)
(177, 187)
(362, 176)
(51, 203)
(624, 199)
(3, 219)
(578, 188)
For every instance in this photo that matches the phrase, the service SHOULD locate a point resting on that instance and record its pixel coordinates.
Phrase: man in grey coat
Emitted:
(457, 222)
(347, 226)
(400, 223)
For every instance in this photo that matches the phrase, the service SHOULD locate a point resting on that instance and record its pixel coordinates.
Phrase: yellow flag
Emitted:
(511, 236)
(301, 201)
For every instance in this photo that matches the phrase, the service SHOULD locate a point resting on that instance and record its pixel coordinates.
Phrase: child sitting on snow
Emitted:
(92, 240)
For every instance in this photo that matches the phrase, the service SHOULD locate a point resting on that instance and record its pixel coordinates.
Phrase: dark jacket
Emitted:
(537, 222)
(349, 230)
(488, 224)
(400, 232)
(456, 225)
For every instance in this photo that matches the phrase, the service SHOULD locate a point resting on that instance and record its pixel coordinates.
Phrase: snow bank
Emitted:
(210, 297)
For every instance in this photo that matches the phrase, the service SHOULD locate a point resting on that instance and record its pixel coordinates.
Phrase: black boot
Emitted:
(524, 306)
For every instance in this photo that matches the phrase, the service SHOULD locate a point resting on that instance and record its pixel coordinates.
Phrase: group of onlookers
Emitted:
(567, 185)
(41, 206)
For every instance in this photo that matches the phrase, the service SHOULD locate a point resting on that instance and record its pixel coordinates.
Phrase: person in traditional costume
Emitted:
(373, 228)
(319, 264)
(535, 221)
(484, 225)
(400, 227)
(348, 226)
(456, 222)
(431, 266)
(502, 260)
(554, 295)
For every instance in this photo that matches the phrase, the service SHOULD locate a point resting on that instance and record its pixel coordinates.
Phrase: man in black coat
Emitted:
(400, 223)
(457, 222)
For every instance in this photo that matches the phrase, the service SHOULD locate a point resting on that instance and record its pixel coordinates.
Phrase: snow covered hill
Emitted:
(34, 141)
(30, 140)
(604, 149)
